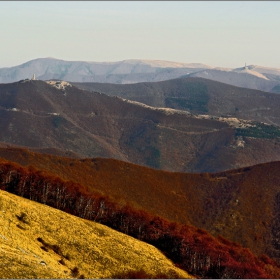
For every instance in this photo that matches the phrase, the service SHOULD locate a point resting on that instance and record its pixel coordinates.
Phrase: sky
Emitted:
(216, 33)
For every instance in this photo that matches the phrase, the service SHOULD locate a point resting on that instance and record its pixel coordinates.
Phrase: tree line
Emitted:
(191, 249)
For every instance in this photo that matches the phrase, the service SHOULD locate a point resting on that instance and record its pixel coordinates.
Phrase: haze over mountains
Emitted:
(135, 71)
(252, 76)
(127, 71)
(107, 152)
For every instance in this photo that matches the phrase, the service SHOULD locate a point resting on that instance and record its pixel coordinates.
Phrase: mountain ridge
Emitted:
(97, 125)
(50, 68)
(140, 70)
(197, 96)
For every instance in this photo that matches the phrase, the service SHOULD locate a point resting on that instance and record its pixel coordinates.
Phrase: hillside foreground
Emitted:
(37, 241)
(240, 204)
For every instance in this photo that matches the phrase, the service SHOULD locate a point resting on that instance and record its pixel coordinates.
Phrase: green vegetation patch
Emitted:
(57, 121)
(189, 96)
(153, 158)
(276, 89)
(144, 139)
(259, 131)
(185, 104)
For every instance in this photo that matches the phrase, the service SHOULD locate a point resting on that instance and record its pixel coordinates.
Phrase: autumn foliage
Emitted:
(191, 249)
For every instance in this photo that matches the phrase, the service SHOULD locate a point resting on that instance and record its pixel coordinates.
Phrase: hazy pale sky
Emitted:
(218, 33)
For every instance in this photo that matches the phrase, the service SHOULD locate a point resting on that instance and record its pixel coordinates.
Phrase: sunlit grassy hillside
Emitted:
(240, 205)
(37, 241)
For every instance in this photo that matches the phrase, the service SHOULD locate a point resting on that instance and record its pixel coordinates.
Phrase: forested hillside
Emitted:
(192, 249)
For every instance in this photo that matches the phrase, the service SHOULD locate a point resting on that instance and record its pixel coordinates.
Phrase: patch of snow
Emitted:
(223, 69)
(59, 84)
(167, 111)
(233, 122)
(251, 72)
(262, 69)
(54, 114)
(163, 63)
(238, 143)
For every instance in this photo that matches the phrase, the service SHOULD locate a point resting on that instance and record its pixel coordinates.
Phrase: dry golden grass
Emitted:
(96, 250)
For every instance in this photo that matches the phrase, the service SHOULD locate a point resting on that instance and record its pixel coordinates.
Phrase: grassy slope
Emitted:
(97, 251)
(239, 204)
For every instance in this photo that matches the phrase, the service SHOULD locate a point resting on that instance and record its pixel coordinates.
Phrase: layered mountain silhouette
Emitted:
(57, 115)
(135, 71)
(93, 150)
(252, 76)
(127, 71)
(198, 96)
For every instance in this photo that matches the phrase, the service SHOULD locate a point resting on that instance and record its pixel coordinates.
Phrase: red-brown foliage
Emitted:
(142, 274)
(202, 200)
(194, 250)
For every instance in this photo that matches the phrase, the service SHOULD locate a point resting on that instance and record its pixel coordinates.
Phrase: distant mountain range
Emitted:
(253, 76)
(176, 154)
(198, 96)
(135, 71)
(53, 116)
(127, 71)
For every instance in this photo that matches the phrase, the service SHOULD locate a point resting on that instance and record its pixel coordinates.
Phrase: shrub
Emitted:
(44, 248)
(56, 249)
(19, 226)
(62, 262)
(22, 218)
(75, 271)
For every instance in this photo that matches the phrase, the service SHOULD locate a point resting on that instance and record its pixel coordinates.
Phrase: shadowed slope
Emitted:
(37, 115)
(199, 95)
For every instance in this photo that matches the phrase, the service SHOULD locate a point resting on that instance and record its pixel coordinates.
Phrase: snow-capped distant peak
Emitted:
(165, 63)
(247, 70)
(223, 69)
